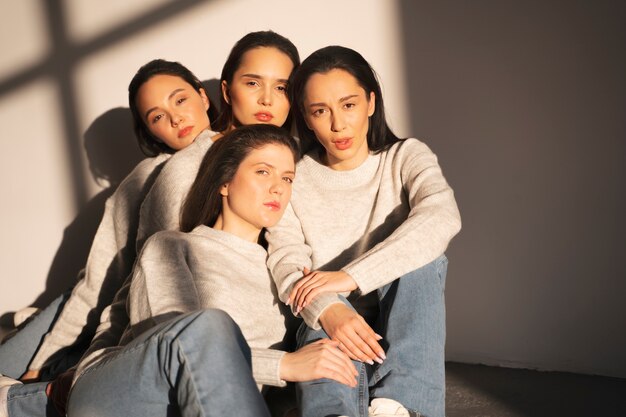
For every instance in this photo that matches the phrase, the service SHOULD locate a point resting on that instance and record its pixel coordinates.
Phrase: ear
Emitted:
(224, 190)
(225, 92)
(205, 99)
(371, 106)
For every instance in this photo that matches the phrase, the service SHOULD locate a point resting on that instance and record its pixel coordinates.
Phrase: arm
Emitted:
(433, 220)
(110, 261)
(288, 256)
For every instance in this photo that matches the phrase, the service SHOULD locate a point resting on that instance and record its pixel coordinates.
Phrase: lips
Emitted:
(343, 143)
(272, 205)
(264, 116)
(184, 131)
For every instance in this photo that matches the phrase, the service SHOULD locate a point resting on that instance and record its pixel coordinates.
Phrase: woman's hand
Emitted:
(356, 338)
(30, 376)
(321, 359)
(316, 282)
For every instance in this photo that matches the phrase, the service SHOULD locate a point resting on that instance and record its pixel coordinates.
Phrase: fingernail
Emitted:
(371, 362)
(378, 337)
(287, 303)
(382, 355)
(380, 361)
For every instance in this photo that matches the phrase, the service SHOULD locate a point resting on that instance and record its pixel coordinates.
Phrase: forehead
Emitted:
(159, 87)
(267, 61)
(331, 85)
(275, 154)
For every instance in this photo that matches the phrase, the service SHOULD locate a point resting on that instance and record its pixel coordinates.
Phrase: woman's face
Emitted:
(258, 91)
(337, 110)
(173, 110)
(259, 192)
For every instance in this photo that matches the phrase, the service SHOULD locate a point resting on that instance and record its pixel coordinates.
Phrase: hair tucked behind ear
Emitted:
(204, 202)
(379, 135)
(148, 143)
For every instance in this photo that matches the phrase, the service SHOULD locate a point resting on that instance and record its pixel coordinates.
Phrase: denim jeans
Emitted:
(412, 322)
(17, 352)
(195, 364)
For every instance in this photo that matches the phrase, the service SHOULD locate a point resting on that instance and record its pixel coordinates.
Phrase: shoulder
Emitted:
(166, 241)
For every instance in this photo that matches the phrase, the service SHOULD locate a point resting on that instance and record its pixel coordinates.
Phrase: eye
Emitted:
(157, 118)
(181, 100)
(288, 180)
(319, 112)
(262, 172)
(282, 88)
(252, 83)
(349, 105)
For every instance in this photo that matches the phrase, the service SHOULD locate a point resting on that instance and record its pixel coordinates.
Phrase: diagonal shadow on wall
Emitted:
(59, 66)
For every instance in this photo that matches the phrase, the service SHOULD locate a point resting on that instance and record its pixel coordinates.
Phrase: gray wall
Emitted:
(525, 104)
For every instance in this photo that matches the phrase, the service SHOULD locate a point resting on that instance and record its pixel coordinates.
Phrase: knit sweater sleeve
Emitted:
(162, 206)
(162, 286)
(432, 221)
(266, 366)
(289, 254)
(109, 262)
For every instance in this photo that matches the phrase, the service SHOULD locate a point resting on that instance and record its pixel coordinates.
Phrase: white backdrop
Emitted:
(64, 73)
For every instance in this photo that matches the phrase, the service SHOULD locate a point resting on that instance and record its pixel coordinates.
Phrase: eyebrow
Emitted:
(258, 77)
(341, 100)
(172, 94)
(273, 167)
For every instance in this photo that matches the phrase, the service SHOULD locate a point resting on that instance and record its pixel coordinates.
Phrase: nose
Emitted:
(266, 96)
(176, 119)
(337, 123)
(277, 187)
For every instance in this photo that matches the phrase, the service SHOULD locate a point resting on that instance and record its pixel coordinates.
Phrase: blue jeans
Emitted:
(17, 352)
(195, 364)
(411, 320)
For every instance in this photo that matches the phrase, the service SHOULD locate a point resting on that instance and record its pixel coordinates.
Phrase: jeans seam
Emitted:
(193, 382)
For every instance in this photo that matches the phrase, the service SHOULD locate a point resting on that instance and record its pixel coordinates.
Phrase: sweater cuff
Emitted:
(366, 281)
(311, 313)
(266, 366)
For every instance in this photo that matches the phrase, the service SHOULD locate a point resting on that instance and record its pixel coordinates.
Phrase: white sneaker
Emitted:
(386, 407)
(5, 384)
(20, 316)
(5, 381)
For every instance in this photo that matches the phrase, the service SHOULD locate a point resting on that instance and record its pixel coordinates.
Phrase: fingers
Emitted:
(294, 291)
(360, 342)
(336, 365)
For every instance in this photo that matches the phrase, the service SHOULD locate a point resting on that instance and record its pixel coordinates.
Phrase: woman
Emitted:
(370, 215)
(170, 110)
(254, 84)
(182, 358)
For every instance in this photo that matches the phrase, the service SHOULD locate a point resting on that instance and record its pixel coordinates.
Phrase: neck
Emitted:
(244, 231)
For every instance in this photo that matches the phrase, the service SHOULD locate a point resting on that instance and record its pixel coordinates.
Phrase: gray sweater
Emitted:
(391, 215)
(160, 211)
(183, 272)
(109, 262)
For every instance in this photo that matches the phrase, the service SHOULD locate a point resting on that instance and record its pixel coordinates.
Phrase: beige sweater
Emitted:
(109, 262)
(160, 211)
(180, 272)
(391, 215)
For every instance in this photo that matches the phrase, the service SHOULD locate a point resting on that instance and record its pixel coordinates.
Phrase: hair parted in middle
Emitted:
(253, 40)
(379, 135)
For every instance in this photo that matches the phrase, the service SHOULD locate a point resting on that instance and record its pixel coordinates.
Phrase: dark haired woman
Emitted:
(170, 110)
(254, 83)
(205, 324)
(370, 215)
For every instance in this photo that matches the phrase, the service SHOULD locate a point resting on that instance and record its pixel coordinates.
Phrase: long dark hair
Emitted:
(252, 40)
(204, 202)
(148, 143)
(379, 135)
